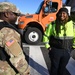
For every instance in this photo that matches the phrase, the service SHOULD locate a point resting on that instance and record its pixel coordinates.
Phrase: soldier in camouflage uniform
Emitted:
(12, 59)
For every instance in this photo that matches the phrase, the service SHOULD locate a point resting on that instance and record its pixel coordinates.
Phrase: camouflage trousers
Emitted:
(5, 69)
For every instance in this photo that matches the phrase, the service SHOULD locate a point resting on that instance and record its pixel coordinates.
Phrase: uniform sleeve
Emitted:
(46, 36)
(14, 50)
(1, 36)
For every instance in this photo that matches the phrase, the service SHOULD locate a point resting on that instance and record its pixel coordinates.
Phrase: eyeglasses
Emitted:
(17, 14)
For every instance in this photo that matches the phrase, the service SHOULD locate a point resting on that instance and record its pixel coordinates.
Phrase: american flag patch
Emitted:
(10, 42)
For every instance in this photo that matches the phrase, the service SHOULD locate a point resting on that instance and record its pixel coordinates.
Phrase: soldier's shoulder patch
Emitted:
(10, 42)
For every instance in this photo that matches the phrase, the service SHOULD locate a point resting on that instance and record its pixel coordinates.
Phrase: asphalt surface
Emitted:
(39, 61)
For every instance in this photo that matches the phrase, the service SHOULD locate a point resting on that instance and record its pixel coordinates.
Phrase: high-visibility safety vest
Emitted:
(67, 32)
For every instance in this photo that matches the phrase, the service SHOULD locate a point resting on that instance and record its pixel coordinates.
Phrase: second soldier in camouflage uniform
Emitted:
(10, 42)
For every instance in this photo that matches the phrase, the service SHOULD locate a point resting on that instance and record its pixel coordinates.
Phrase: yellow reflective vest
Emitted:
(50, 30)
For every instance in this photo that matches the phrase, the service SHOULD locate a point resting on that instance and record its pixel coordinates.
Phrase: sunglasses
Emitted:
(17, 14)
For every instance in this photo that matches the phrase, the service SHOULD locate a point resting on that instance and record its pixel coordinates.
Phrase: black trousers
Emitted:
(59, 59)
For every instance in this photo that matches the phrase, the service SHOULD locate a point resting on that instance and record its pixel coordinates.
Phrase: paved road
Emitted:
(38, 59)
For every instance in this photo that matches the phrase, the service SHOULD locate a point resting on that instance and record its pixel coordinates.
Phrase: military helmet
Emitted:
(7, 6)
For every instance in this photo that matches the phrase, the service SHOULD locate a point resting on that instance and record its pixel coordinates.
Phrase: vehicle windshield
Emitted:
(39, 8)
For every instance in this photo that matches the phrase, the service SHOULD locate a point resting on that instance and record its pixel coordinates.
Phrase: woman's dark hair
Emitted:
(58, 21)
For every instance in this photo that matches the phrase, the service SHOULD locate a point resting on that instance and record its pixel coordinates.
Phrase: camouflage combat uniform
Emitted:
(10, 40)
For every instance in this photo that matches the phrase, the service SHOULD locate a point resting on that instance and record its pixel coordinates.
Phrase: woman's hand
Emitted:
(49, 48)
